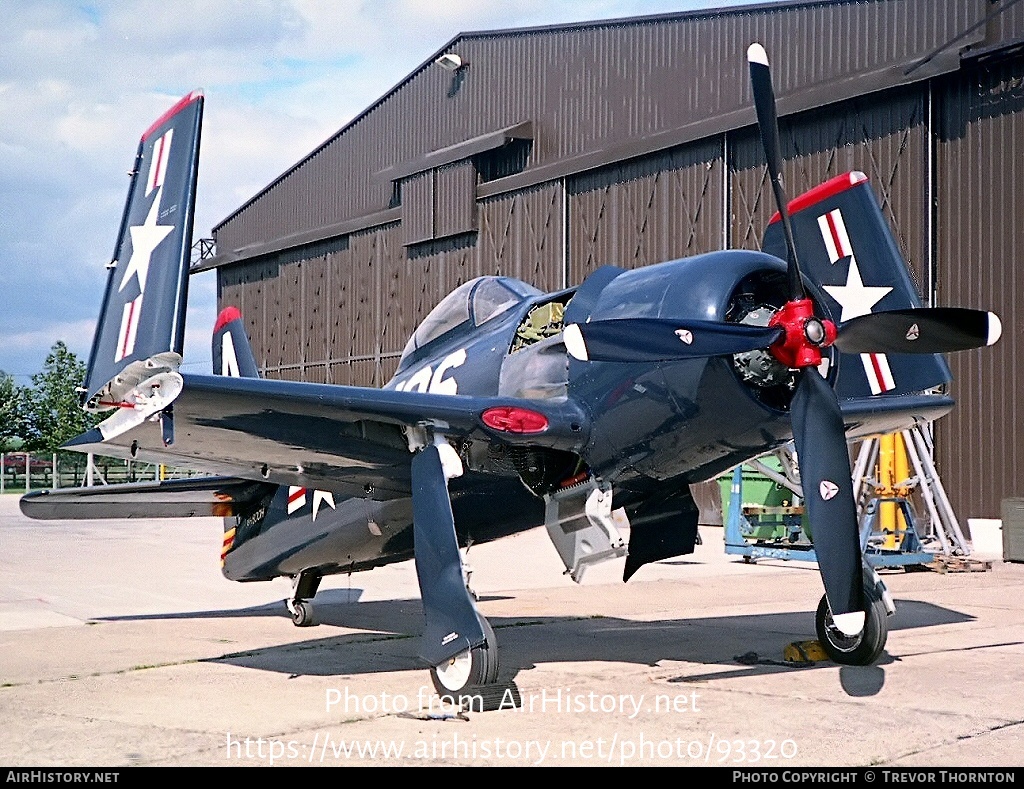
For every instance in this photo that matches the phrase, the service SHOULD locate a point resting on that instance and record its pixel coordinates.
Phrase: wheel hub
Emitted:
(840, 640)
(454, 673)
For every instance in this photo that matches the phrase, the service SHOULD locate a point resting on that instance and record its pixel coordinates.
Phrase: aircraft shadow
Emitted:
(333, 607)
(731, 646)
(735, 646)
(272, 609)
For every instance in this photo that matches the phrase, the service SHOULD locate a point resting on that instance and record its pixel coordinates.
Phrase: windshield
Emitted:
(481, 299)
(491, 298)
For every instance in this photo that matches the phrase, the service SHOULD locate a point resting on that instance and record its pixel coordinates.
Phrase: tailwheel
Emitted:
(862, 649)
(302, 613)
(300, 604)
(473, 667)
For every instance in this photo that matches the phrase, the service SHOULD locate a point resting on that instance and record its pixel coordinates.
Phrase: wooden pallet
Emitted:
(959, 564)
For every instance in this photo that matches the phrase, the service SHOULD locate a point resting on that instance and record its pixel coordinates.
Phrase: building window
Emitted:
(509, 159)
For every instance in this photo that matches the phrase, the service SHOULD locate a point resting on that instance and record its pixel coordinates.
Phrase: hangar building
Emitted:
(555, 150)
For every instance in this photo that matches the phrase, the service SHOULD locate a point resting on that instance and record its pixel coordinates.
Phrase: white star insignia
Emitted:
(145, 238)
(855, 297)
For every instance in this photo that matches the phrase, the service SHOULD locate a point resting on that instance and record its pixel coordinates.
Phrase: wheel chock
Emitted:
(804, 652)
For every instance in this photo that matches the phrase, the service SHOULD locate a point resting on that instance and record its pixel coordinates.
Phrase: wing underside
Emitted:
(349, 439)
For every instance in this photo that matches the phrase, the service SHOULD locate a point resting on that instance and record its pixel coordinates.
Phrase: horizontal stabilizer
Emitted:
(178, 498)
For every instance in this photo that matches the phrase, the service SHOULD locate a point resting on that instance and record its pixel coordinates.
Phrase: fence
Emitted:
(25, 471)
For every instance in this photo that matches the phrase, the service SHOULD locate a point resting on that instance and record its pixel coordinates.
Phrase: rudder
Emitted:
(231, 350)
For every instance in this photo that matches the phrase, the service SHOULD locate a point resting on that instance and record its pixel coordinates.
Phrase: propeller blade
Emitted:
(662, 339)
(922, 330)
(828, 497)
(768, 124)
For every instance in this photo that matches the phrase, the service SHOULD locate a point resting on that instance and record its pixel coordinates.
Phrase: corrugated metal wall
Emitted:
(942, 156)
(521, 235)
(591, 88)
(980, 263)
(344, 317)
(646, 210)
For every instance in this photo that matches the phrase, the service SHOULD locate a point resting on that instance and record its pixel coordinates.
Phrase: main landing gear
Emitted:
(864, 648)
(458, 643)
(302, 613)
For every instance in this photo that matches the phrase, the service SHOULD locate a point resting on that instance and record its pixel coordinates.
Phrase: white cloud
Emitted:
(70, 332)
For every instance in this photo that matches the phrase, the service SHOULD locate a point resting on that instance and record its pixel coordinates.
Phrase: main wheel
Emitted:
(476, 666)
(862, 649)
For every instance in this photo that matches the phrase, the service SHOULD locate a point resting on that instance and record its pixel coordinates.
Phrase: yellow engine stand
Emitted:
(892, 474)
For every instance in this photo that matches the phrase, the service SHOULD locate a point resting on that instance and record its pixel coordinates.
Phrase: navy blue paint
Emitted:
(880, 264)
(647, 428)
(818, 427)
(452, 622)
(161, 325)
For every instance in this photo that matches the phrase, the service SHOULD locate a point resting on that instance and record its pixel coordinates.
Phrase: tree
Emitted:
(54, 414)
(13, 407)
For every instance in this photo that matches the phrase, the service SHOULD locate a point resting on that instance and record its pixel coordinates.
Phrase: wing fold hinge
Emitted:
(146, 400)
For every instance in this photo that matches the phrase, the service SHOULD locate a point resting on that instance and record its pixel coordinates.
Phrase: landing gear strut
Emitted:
(458, 643)
(300, 604)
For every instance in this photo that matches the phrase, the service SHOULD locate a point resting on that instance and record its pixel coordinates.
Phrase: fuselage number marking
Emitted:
(428, 379)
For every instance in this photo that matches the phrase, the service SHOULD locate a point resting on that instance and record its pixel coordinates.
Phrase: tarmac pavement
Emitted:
(121, 644)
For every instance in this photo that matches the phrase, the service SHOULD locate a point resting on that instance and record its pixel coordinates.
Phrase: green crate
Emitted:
(760, 491)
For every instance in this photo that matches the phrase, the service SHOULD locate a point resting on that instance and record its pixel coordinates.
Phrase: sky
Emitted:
(80, 82)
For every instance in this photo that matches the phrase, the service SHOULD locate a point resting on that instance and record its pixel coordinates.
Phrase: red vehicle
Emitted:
(14, 463)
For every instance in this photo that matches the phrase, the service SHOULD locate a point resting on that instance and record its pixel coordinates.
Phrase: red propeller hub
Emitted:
(806, 334)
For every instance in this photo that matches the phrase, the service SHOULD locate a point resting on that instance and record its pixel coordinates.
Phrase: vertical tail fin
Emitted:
(847, 249)
(141, 327)
(232, 353)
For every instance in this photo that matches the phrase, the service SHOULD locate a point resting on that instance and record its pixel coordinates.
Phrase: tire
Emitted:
(860, 650)
(473, 667)
(302, 614)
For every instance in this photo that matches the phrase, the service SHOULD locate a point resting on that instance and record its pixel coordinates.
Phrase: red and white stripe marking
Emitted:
(833, 233)
(129, 328)
(158, 164)
(296, 498)
(876, 367)
(838, 246)
(227, 545)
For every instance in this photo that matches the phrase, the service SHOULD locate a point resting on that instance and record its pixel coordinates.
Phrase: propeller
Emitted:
(663, 339)
(768, 125)
(932, 330)
(818, 429)
(796, 337)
